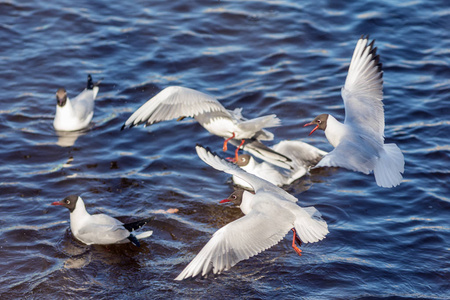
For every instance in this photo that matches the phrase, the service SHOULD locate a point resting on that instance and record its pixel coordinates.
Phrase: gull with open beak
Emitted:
(359, 141)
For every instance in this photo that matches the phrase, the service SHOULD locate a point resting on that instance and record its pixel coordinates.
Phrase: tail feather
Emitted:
(389, 168)
(144, 235)
(138, 224)
(312, 229)
(261, 122)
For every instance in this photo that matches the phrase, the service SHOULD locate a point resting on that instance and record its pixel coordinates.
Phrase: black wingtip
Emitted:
(90, 84)
(138, 224)
(134, 240)
(208, 150)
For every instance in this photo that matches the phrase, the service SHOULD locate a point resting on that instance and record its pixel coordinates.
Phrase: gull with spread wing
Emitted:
(359, 141)
(270, 213)
(175, 102)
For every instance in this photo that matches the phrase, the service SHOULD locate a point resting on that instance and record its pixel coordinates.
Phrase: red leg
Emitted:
(225, 148)
(296, 239)
(237, 149)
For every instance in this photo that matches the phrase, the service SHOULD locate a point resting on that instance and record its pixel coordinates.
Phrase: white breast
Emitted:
(335, 131)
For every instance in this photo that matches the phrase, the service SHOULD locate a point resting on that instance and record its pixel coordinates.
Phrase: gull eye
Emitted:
(233, 196)
(67, 201)
(319, 121)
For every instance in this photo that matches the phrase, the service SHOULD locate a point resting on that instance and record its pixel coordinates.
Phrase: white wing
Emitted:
(174, 102)
(301, 153)
(363, 90)
(258, 149)
(102, 234)
(102, 229)
(83, 104)
(239, 240)
(254, 181)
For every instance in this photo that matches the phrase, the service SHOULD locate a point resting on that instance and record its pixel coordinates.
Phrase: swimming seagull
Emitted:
(180, 102)
(303, 155)
(270, 213)
(75, 114)
(100, 229)
(359, 141)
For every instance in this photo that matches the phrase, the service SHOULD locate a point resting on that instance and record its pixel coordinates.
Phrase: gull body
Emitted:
(75, 114)
(270, 213)
(175, 102)
(303, 156)
(359, 141)
(100, 229)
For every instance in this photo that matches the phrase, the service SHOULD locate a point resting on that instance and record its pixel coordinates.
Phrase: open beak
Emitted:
(225, 201)
(315, 128)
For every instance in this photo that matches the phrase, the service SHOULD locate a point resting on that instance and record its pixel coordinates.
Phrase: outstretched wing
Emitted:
(254, 181)
(363, 90)
(174, 102)
(301, 153)
(239, 240)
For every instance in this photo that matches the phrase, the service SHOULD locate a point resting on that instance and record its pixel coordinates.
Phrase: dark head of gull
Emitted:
(243, 160)
(235, 197)
(320, 122)
(61, 97)
(70, 202)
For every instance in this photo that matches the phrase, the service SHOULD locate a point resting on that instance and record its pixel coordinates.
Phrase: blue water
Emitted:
(283, 57)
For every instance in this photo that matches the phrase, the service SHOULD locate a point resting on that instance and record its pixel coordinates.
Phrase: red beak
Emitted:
(57, 203)
(315, 128)
(225, 201)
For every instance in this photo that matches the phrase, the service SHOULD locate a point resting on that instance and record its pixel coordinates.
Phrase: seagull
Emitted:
(180, 102)
(303, 157)
(75, 114)
(359, 141)
(270, 213)
(100, 229)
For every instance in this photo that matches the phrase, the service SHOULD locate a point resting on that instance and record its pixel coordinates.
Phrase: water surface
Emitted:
(283, 57)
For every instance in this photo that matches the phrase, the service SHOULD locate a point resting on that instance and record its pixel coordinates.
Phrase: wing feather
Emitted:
(363, 90)
(239, 240)
(174, 102)
(102, 234)
(254, 181)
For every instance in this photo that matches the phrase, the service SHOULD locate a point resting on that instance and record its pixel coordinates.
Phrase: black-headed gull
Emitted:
(270, 213)
(303, 156)
(75, 114)
(180, 102)
(100, 229)
(359, 141)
